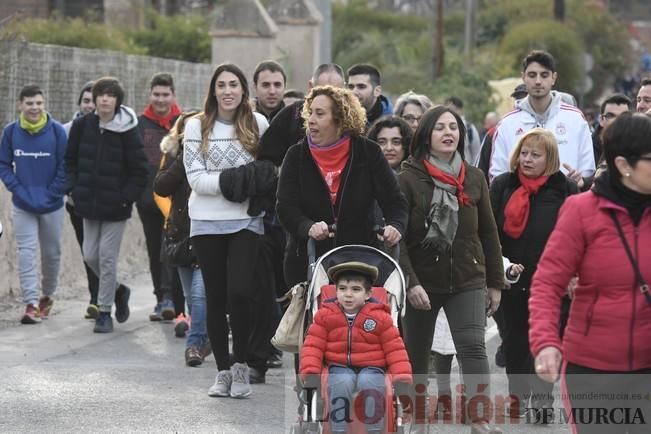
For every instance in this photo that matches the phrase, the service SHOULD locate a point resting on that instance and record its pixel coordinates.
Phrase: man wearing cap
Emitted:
(545, 108)
(363, 327)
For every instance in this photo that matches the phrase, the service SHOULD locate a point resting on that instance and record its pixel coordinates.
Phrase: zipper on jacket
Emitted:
(98, 158)
(349, 348)
(589, 314)
(343, 188)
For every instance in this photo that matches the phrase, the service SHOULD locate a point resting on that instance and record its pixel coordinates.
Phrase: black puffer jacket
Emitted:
(543, 212)
(303, 199)
(106, 170)
(286, 129)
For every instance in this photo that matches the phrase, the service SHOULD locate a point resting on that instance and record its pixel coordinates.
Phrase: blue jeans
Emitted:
(195, 296)
(343, 382)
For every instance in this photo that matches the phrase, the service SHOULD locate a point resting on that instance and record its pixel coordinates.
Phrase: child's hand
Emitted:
(515, 270)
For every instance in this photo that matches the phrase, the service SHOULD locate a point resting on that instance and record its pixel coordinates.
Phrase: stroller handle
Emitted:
(311, 252)
(394, 251)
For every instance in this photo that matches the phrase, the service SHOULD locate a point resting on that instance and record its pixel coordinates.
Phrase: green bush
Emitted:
(183, 37)
(401, 47)
(543, 34)
(72, 32)
(599, 33)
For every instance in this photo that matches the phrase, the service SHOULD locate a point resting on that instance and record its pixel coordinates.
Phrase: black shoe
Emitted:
(500, 358)
(256, 376)
(103, 323)
(122, 295)
(275, 361)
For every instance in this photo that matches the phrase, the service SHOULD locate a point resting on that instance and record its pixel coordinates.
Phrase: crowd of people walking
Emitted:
(228, 196)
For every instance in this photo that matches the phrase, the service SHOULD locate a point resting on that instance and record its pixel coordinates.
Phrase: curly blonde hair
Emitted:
(347, 112)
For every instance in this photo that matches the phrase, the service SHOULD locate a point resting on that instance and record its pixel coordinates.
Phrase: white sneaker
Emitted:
(240, 387)
(222, 386)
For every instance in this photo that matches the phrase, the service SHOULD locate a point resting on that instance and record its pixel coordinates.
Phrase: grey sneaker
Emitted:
(240, 387)
(222, 386)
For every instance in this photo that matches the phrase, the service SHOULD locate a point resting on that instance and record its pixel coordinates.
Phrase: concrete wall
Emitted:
(244, 51)
(61, 71)
(298, 47)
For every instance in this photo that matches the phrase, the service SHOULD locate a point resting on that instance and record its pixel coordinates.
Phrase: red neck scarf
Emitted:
(457, 182)
(163, 121)
(516, 210)
(331, 161)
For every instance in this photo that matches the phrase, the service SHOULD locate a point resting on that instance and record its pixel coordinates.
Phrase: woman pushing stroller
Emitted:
(334, 176)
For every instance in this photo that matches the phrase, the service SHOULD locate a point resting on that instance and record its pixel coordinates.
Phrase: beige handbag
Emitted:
(290, 332)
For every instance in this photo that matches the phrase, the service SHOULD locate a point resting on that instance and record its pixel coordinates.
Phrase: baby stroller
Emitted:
(390, 289)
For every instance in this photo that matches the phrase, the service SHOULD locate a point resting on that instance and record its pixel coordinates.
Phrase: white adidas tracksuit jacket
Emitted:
(567, 124)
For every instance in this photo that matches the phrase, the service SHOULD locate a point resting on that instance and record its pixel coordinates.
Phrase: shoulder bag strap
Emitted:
(644, 286)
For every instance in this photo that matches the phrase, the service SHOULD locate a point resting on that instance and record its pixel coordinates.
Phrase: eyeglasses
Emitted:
(643, 158)
(411, 118)
(608, 116)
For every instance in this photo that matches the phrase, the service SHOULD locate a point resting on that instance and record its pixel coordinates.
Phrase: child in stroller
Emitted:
(354, 336)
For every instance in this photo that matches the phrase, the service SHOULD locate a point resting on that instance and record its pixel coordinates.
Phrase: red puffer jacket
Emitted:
(609, 326)
(372, 340)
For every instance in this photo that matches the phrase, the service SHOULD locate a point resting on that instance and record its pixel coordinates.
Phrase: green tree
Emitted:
(549, 35)
(183, 37)
(600, 34)
(401, 47)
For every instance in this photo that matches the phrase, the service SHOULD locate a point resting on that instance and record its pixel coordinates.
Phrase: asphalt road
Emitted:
(59, 376)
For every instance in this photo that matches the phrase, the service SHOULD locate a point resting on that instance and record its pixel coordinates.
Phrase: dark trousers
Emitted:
(170, 287)
(602, 399)
(152, 224)
(523, 381)
(228, 263)
(466, 312)
(78, 225)
(265, 311)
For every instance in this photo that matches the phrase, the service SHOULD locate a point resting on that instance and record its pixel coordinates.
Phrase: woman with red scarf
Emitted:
(525, 202)
(334, 176)
(451, 255)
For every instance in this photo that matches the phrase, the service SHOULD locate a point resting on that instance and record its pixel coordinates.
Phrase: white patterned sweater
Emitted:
(224, 152)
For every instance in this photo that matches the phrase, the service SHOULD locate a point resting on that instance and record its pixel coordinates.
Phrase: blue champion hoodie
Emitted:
(31, 166)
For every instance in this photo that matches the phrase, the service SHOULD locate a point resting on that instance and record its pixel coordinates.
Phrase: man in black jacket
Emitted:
(106, 172)
(365, 82)
(154, 124)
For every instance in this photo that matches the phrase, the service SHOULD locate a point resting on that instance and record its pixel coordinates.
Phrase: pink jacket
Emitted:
(609, 326)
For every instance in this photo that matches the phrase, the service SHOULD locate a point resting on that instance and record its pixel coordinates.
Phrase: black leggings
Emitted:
(227, 263)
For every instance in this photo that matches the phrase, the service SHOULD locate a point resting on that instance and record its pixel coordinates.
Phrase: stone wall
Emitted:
(61, 71)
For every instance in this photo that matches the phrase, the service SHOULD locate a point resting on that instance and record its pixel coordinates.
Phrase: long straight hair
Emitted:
(246, 127)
